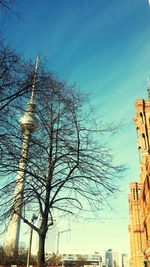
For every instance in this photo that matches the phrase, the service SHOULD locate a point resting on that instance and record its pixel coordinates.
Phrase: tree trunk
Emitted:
(41, 252)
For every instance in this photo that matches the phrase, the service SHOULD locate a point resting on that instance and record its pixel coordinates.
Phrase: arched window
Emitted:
(140, 153)
(141, 117)
(138, 191)
(137, 132)
(146, 231)
(144, 141)
(134, 194)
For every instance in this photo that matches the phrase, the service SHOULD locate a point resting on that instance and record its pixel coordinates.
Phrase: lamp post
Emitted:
(34, 217)
(58, 238)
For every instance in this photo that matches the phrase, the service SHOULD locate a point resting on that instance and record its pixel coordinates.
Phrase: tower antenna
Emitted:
(34, 79)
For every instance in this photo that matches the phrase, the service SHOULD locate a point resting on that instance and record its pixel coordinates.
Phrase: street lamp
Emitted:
(58, 238)
(34, 217)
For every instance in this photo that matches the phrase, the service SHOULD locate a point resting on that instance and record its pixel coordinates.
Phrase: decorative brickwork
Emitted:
(139, 197)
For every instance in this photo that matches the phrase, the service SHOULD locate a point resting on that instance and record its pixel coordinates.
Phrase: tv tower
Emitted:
(28, 125)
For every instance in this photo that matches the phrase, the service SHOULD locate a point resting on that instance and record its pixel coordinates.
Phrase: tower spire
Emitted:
(28, 125)
(34, 79)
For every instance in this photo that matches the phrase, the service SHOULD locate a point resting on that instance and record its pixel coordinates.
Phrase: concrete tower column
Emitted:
(28, 125)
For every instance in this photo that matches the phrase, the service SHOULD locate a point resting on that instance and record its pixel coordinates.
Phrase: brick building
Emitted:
(139, 197)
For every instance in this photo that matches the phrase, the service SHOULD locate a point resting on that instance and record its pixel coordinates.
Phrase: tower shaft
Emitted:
(12, 237)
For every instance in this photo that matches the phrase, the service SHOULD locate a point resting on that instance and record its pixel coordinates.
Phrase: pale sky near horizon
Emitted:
(104, 46)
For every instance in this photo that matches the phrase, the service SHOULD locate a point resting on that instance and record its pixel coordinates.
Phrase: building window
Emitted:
(141, 117)
(134, 193)
(146, 232)
(138, 192)
(137, 132)
(144, 141)
(140, 153)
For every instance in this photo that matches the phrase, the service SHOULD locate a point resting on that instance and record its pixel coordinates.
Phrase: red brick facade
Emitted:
(139, 197)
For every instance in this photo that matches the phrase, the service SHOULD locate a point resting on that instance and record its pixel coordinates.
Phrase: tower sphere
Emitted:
(28, 121)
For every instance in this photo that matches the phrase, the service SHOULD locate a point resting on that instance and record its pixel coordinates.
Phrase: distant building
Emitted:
(124, 260)
(111, 258)
(139, 197)
(87, 257)
(81, 260)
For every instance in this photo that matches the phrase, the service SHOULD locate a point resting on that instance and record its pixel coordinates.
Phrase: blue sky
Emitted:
(104, 46)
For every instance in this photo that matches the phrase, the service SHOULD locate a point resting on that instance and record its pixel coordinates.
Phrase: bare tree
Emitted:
(13, 76)
(6, 4)
(54, 260)
(21, 259)
(9, 6)
(69, 168)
